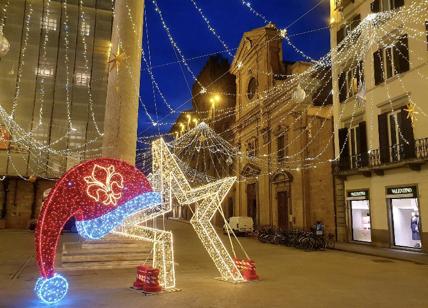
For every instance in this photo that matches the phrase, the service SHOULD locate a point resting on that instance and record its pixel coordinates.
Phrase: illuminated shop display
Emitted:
(359, 207)
(405, 216)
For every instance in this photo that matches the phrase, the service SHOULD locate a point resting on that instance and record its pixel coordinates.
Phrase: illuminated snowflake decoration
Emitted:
(104, 185)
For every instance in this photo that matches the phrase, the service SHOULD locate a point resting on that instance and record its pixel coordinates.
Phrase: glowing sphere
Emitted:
(51, 290)
(299, 95)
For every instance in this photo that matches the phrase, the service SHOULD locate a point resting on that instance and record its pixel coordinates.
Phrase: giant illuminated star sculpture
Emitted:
(208, 198)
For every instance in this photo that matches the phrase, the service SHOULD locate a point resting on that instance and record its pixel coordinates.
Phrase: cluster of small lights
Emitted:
(86, 66)
(68, 78)
(173, 42)
(348, 48)
(210, 27)
(15, 100)
(248, 5)
(97, 228)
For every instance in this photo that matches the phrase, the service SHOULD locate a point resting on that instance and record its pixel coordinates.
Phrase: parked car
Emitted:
(239, 225)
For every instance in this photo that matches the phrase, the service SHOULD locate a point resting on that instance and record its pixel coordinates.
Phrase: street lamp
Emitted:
(181, 128)
(189, 119)
(196, 121)
(213, 100)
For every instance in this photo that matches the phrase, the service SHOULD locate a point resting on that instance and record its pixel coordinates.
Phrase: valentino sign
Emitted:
(402, 192)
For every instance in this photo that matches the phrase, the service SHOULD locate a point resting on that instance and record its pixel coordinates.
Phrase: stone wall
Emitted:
(20, 201)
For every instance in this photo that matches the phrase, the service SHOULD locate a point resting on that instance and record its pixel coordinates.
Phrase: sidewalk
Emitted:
(397, 254)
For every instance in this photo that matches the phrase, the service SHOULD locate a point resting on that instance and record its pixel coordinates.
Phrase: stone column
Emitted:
(121, 115)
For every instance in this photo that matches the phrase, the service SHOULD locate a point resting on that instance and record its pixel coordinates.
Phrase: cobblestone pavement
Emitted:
(289, 278)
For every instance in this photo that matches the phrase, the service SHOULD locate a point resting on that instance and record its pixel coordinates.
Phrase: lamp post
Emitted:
(181, 128)
(213, 100)
(189, 119)
(196, 122)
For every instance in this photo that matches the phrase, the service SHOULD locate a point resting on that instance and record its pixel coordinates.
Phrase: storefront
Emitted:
(405, 222)
(359, 215)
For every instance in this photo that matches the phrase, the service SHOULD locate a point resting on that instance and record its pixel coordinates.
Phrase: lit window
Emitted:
(85, 28)
(82, 79)
(44, 72)
(49, 24)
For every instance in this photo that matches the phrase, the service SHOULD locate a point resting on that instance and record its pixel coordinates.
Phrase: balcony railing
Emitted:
(397, 153)
(421, 146)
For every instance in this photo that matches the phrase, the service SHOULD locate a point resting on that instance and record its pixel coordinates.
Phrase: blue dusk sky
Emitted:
(230, 19)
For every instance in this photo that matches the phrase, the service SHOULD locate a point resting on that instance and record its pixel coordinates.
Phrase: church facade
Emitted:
(284, 171)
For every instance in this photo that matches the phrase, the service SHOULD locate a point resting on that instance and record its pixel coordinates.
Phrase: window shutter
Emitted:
(378, 66)
(355, 21)
(398, 3)
(343, 89)
(360, 73)
(407, 134)
(344, 148)
(340, 35)
(401, 54)
(375, 6)
(426, 29)
(383, 137)
(362, 143)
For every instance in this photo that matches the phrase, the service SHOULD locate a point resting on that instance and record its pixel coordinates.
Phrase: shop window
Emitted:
(49, 24)
(44, 72)
(360, 216)
(82, 79)
(85, 28)
(396, 137)
(391, 60)
(406, 222)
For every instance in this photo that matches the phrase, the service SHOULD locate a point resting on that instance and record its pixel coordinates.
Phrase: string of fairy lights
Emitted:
(26, 140)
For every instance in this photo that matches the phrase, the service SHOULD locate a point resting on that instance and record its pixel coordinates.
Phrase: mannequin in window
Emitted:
(366, 221)
(414, 224)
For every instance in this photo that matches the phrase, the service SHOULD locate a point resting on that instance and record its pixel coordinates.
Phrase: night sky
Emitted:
(230, 19)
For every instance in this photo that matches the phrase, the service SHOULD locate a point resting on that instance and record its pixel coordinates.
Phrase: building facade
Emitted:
(57, 80)
(277, 136)
(382, 173)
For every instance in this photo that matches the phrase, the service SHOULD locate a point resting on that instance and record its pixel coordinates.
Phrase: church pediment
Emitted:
(281, 177)
(250, 171)
(248, 42)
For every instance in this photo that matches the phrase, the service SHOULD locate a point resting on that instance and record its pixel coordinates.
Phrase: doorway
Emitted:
(252, 202)
(282, 198)
(360, 218)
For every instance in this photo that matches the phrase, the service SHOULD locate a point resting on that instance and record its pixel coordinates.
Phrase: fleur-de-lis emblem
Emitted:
(104, 185)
